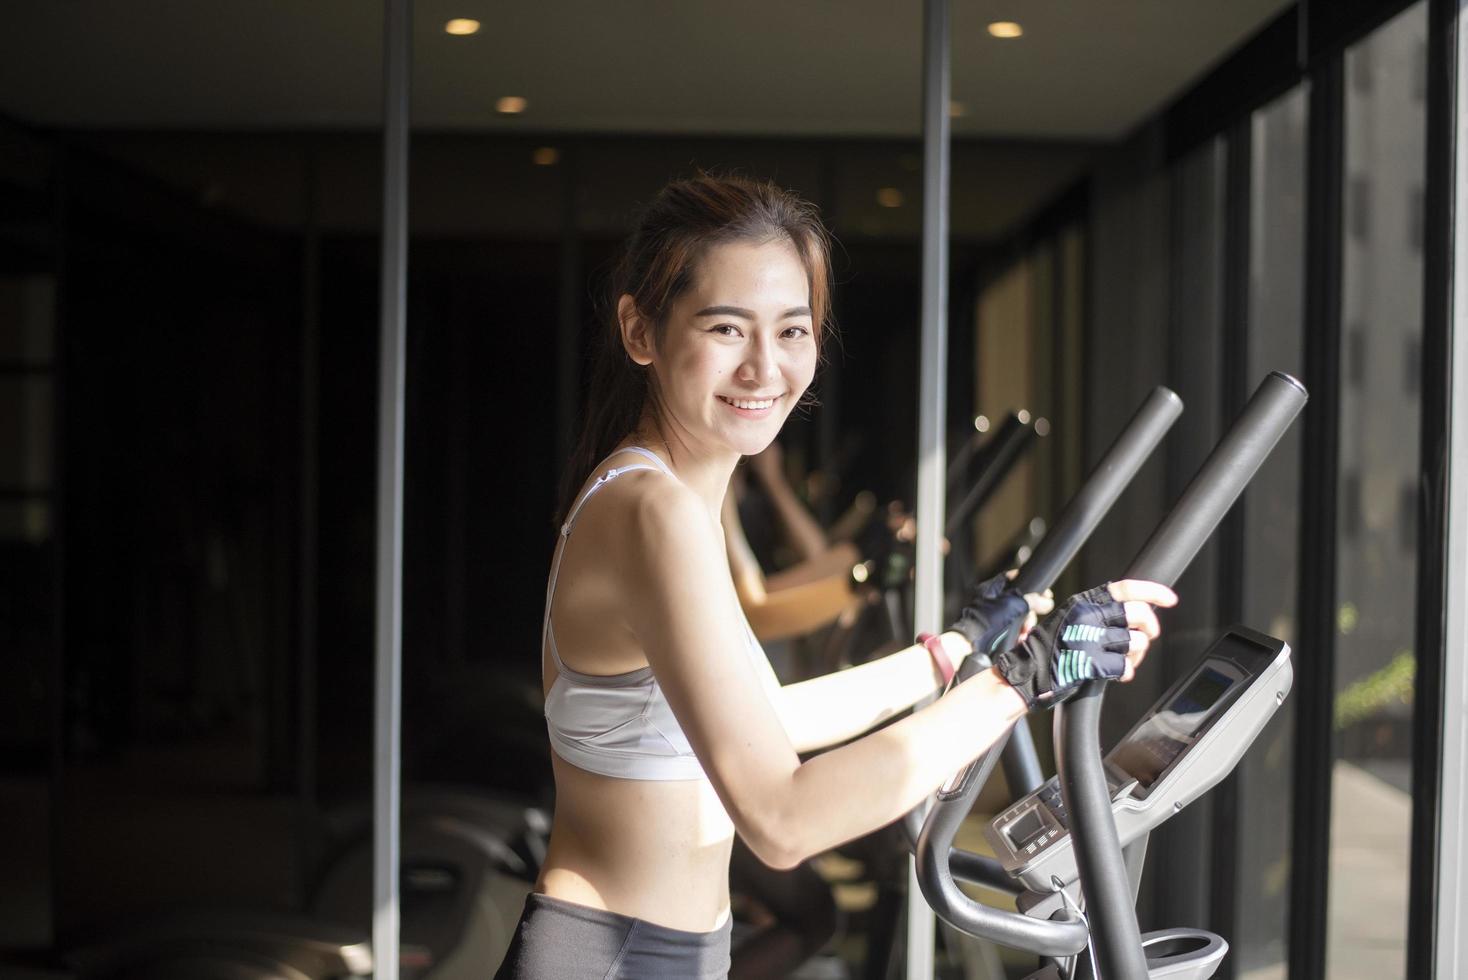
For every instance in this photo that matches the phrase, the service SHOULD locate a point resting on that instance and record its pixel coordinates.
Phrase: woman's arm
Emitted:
(800, 609)
(806, 599)
(682, 606)
(804, 534)
(827, 710)
(835, 563)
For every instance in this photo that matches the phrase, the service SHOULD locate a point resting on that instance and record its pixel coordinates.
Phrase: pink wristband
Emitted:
(940, 656)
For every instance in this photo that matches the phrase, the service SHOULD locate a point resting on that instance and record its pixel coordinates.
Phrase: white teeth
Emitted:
(747, 403)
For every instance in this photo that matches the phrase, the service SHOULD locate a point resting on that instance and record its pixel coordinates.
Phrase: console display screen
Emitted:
(1147, 753)
(1026, 828)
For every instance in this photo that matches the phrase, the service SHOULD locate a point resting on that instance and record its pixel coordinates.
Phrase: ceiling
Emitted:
(1082, 71)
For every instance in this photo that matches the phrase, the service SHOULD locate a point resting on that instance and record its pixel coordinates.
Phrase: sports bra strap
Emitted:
(649, 454)
(607, 477)
(547, 636)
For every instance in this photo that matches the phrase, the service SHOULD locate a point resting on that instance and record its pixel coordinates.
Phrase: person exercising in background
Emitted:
(805, 596)
(670, 732)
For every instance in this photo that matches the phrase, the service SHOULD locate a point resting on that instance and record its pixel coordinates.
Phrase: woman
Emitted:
(670, 731)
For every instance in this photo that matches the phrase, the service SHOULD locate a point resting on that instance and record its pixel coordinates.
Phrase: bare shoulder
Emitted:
(639, 515)
(658, 519)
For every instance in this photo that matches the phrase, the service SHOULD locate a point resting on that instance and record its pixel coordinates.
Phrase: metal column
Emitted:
(932, 400)
(387, 714)
(1451, 908)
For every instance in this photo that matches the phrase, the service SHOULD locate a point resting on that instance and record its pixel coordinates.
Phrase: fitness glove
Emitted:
(1086, 638)
(991, 620)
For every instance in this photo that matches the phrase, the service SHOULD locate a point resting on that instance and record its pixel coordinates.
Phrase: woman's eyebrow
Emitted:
(739, 311)
(725, 311)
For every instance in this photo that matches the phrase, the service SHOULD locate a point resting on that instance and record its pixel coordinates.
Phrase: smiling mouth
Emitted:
(749, 404)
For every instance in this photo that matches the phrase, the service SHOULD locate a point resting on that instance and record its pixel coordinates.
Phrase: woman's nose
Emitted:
(759, 364)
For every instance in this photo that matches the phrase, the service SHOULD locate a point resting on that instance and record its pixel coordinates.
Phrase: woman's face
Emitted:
(738, 350)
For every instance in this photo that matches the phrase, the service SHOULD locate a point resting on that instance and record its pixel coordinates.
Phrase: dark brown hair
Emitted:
(656, 267)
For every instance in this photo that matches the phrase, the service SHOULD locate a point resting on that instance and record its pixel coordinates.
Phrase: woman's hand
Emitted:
(1100, 634)
(1041, 604)
(995, 617)
(1138, 599)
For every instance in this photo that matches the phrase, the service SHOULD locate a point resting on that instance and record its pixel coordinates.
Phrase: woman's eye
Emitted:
(796, 333)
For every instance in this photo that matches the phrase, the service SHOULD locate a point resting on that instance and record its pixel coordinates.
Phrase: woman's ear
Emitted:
(637, 338)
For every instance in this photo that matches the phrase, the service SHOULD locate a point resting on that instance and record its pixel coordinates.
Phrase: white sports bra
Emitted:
(617, 725)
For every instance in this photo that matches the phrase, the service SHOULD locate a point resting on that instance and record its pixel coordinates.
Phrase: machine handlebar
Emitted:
(1101, 489)
(1212, 492)
(1141, 435)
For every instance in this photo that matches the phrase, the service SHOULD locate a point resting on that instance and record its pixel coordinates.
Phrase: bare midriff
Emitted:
(657, 851)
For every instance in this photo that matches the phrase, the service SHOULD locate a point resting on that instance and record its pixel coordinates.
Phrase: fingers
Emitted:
(1041, 604)
(1030, 622)
(1138, 590)
(1138, 599)
(1135, 654)
(1141, 618)
(1137, 645)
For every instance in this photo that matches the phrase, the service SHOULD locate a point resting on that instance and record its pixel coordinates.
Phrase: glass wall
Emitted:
(170, 245)
(1380, 371)
(1028, 359)
(1194, 350)
(1005, 375)
(1270, 564)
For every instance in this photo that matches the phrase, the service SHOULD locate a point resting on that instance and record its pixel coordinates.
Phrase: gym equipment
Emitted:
(994, 463)
(1244, 690)
(890, 572)
(1101, 489)
(1186, 743)
(227, 946)
(468, 859)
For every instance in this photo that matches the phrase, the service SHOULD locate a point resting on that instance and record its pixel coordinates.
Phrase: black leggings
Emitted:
(560, 940)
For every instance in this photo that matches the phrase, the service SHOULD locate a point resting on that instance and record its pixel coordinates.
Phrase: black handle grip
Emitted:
(1101, 489)
(971, 455)
(1223, 476)
(1004, 448)
(1105, 483)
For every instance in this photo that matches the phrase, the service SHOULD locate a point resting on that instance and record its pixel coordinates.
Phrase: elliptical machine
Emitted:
(1072, 851)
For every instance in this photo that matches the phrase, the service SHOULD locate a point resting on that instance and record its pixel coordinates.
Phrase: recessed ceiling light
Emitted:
(889, 197)
(462, 26)
(546, 156)
(1005, 29)
(510, 105)
(956, 109)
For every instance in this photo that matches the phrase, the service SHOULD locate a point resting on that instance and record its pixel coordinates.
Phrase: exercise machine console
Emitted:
(1182, 747)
